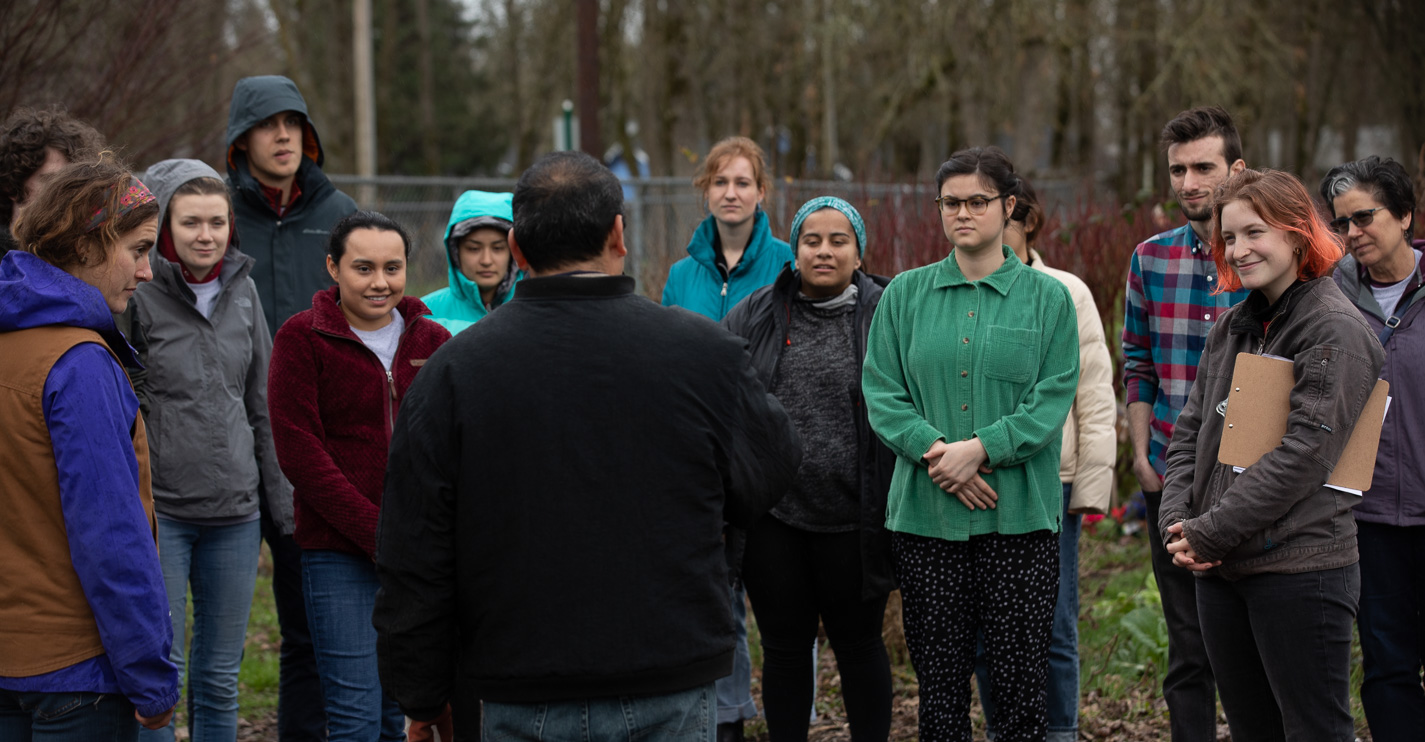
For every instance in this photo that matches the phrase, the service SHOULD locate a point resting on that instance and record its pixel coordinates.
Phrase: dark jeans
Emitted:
(66, 717)
(1392, 624)
(1188, 687)
(1280, 645)
(950, 590)
(793, 577)
(301, 707)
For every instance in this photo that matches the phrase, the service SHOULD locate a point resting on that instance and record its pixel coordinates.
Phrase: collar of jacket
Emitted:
(703, 246)
(168, 275)
(1001, 280)
(328, 318)
(574, 287)
(1256, 311)
(1356, 283)
(789, 281)
(310, 179)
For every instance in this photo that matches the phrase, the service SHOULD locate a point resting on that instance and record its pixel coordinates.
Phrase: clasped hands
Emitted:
(1183, 553)
(956, 468)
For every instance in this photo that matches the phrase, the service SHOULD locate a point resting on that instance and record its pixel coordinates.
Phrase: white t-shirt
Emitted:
(383, 342)
(206, 294)
(1389, 296)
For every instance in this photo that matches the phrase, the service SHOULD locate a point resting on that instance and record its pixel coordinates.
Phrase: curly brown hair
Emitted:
(55, 228)
(25, 136)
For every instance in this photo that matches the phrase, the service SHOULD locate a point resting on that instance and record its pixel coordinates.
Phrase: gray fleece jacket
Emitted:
(210, 441)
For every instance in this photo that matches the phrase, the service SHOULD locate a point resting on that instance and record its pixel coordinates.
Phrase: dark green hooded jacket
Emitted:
(290, 251)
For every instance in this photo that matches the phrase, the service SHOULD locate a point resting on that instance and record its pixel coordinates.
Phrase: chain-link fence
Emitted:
(660, 214)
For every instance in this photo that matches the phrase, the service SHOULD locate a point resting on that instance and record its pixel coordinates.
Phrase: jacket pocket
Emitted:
(1010, 353)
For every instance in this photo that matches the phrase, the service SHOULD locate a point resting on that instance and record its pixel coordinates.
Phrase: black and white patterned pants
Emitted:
(1005, 585)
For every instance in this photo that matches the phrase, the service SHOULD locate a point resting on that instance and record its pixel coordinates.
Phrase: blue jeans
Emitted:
(220, 562)
(734, 692)
(341, 594)
(685, 715)
(1392, 624)
(66, 717)
(1063, 686)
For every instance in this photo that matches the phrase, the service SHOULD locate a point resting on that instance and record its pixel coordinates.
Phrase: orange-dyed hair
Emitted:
(1283, 203)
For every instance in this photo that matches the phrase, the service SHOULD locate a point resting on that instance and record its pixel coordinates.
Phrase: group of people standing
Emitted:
(528, 504)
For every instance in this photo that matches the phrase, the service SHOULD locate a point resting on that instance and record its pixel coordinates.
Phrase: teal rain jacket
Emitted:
(458, 305)
(697, 282)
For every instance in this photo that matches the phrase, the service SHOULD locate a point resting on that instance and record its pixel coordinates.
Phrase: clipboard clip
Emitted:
(1222, 408)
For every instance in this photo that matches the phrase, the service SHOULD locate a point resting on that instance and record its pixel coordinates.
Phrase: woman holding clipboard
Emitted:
(1274, 547)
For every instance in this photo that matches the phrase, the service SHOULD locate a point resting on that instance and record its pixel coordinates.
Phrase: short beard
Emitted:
(1202, 215)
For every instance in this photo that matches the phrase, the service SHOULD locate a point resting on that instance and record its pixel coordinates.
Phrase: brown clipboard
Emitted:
(1257, 409)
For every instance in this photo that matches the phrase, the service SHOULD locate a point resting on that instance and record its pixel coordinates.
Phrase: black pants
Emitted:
(1392, 623)
(792, 577)
(301, 707)
(1188, 687)
(1003, 585)
(1280, 645)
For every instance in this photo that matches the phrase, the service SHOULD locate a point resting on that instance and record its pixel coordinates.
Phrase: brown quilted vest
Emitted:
(45, 621)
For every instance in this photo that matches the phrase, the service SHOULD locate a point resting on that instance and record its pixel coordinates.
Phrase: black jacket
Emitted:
(290, 251)
(763, 318)
(558, 481)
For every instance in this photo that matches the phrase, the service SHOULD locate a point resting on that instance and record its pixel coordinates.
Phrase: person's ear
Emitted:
(516, 251)
(1237, 166)
(331, 267)
(1009, 203)
(615, 243)
(241, 142)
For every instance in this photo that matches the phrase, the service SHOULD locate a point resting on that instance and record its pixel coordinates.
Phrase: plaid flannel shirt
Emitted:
(1168, 311)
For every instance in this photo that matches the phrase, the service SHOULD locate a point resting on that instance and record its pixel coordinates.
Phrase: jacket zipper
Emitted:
(390, 376)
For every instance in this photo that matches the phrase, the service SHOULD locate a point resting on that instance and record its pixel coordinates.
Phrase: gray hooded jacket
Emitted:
(210, 441)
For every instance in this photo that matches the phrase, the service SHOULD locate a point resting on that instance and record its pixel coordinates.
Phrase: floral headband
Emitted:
(137, 195)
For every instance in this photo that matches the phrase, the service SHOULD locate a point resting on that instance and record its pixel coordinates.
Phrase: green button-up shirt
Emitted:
(950, 359)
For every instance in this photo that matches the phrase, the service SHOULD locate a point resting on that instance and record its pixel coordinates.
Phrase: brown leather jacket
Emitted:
(1276, 516)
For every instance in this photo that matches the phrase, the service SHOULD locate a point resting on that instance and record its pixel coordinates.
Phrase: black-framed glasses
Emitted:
(1362, 219)
(977, 205)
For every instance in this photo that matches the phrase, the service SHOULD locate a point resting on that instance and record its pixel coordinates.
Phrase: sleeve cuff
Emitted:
(1139, 390)
(921, 440)
(996, 442)
(158, 707)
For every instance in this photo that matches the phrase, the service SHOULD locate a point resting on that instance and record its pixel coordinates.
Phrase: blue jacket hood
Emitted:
(34, 293)
(459, 304)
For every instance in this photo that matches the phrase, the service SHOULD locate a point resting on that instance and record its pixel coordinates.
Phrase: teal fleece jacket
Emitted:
(458, 305)
(697, 282)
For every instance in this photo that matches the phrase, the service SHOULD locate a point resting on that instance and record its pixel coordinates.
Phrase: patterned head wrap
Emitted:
(136, 195)
(830, 202)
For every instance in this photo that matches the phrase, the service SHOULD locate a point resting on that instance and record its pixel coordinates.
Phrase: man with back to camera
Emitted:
(556, 549)
(1169, 309)
(284, 208)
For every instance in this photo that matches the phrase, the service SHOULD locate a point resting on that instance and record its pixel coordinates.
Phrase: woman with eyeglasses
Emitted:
(971, 368)
(1372, 201)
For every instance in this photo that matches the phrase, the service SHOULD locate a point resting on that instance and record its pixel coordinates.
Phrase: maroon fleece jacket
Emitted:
(332, 406)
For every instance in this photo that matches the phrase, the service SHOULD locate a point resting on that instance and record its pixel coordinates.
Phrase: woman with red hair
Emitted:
(1275, 547)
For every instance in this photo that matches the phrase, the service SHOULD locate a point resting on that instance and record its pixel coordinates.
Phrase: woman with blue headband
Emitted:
(823, 552)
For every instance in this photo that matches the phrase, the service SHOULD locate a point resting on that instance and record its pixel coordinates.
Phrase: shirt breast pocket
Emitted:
(1010, 353)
